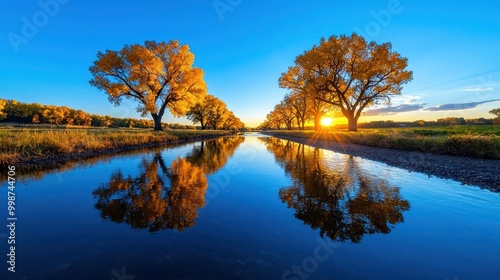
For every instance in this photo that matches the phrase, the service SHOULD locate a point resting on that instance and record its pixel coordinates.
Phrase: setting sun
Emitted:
(326, 121)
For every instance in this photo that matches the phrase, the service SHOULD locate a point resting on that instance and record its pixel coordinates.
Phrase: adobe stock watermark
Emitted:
(121, 276)
(484, 92)
(32, 25)
(222, 178)
(309, 265)
(122, 111)
(381, 19)
(223, 6)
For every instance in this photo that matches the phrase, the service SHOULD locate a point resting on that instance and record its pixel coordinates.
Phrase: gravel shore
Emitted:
(483, 173)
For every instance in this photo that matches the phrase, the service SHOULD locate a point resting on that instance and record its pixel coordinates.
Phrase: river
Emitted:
(249, 207)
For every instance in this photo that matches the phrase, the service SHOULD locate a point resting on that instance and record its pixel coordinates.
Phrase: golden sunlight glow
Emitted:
(326, 121)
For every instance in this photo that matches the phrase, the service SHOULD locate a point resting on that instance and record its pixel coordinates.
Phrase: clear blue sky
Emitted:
(452, 47)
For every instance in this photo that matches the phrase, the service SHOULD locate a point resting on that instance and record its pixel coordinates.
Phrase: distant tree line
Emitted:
(439, 122)
(12, 111)
(418, 123)
(26, 113)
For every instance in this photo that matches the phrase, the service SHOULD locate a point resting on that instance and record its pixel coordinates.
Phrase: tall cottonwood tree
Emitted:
(286, 114)
(201, 110)
(273, 121)
(217, 113)
(212, 111)
(296, 79)
(157, 75)
(300, 106)
(233, 122)
(350, 73)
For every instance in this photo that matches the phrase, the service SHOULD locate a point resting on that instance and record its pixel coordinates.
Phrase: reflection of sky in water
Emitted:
(245, 231)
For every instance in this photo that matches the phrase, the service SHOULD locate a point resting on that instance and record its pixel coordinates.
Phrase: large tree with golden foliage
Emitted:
(158, 75)
(201, 110)
(217, 113)
(350, 73)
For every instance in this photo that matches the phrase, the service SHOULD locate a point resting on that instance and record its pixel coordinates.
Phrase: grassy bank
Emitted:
(21, 145)
(469, 141)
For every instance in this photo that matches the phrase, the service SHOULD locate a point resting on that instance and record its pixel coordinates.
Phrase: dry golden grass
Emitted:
(19, 144)
(469, 144)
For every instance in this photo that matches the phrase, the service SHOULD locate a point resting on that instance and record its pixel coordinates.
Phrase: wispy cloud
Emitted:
(395, 109)
(405, 99)
(478, 89)
(415, 107)
(458, 106)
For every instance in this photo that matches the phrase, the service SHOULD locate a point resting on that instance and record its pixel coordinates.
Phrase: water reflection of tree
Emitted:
(341, 201)
(161, 196)
(212, 155)
(38, 172)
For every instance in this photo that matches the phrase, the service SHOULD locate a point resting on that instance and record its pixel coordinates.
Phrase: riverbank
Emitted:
(35, 148)
(468, 141)
(484, 173)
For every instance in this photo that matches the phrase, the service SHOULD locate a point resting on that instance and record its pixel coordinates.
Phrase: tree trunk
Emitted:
(352, 122)
(157, 121)
(317, 122)
(203, 125)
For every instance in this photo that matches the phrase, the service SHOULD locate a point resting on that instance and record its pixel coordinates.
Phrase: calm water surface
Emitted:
(251, 207)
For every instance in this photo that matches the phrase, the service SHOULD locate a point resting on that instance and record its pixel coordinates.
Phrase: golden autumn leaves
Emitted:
(346, 73)
(159, 75)
(211, 112)
(2, 106)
